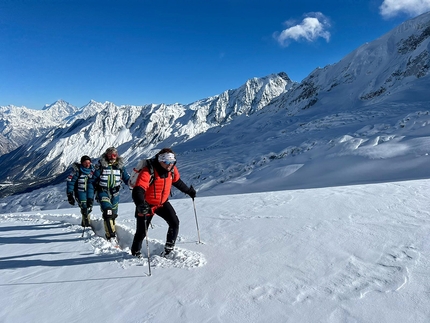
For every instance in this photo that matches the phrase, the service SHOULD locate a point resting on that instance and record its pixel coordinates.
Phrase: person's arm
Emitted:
(138, 196)
(125, 175)
(180, 185)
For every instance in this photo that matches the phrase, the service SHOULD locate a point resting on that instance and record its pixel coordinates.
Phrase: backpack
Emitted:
(77, 169)
(140, 165)
(135, 173)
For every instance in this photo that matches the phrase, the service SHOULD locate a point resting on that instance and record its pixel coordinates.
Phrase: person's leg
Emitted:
(142, 224)
(85, 215)
(169, 215)
(114, 204)
(108, 215)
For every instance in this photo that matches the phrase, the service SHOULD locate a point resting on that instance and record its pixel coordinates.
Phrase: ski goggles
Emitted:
(168, 162)
(167, 158)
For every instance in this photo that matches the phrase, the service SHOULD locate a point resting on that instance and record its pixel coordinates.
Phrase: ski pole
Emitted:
(197, 224)
(147, 245)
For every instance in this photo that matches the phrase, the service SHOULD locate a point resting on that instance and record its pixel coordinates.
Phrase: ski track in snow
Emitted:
(179, 258)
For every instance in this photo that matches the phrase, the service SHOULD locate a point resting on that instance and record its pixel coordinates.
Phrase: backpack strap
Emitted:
(150, 165)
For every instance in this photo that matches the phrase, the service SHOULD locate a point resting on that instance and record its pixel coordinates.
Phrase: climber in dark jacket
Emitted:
(109, 174)
(80, 188)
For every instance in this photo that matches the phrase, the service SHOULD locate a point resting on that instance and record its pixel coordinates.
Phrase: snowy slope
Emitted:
(342, 254)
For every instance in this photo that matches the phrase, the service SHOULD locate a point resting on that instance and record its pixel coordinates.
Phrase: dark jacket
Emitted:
(79, 182)
(108, 177)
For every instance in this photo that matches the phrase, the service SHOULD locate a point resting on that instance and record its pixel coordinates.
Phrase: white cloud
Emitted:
(314, 26)
(391, 8)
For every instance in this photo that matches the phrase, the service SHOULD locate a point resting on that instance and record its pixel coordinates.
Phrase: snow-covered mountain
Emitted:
(19, 124)
(135, 130)
(373, 105)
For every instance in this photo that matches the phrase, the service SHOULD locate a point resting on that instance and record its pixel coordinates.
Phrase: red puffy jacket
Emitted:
(157, 193)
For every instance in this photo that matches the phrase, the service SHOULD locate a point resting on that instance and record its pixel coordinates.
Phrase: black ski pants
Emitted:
(168, 214)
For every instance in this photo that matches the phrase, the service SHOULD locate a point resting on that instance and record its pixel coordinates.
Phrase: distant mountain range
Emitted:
(270, 126)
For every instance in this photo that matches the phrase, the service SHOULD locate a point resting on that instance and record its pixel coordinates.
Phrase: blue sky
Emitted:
(168, 51)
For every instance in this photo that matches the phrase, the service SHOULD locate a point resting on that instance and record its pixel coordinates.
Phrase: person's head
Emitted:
(167, 158)
(86, 161)
(111, 154)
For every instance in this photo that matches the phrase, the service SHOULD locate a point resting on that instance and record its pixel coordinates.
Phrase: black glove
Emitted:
(192, 192)
(71, 198)
(89, 203)
(144, 209)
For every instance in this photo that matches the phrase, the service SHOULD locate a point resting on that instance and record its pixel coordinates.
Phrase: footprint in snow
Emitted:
(357, 278)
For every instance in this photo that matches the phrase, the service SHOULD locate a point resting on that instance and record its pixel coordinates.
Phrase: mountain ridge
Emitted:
(266, 125)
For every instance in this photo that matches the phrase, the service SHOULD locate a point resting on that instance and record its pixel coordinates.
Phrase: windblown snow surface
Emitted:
(338, 254)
